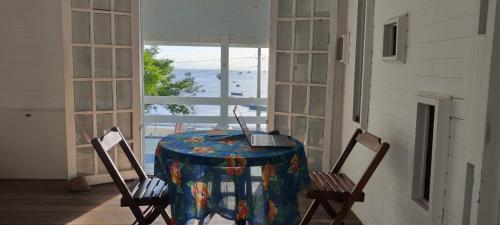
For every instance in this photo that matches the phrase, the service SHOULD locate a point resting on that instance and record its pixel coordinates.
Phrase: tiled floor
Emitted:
(49, 202)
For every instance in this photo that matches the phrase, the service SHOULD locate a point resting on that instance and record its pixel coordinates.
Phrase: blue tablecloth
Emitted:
(217, 172)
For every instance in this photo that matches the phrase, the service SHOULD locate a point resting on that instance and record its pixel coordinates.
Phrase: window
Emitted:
(390, 37)
(425, 135)
(431, 153)
(224, 76)
(363, 57)
(394, 39)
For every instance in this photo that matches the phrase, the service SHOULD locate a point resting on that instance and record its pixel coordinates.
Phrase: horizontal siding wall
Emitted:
(439, 59)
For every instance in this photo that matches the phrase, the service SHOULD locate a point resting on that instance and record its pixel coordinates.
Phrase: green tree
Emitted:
(160, 81)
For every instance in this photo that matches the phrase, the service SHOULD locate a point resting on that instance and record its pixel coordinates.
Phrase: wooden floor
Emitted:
(49, 202)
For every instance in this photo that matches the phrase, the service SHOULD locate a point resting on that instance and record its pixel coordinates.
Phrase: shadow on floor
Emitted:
(50, 202)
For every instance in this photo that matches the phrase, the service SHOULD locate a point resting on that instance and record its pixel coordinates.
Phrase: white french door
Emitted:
(302, 74)
(102, 81)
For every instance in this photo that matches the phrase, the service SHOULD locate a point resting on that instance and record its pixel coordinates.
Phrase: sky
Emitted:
(196, 57)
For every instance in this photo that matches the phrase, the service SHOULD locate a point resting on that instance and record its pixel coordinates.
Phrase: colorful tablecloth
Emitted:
(217, 172)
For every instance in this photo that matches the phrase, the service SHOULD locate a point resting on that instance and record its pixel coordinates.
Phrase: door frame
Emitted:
(334, 83)
(69, 90)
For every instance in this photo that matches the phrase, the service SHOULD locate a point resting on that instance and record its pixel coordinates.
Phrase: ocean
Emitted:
(242, 84)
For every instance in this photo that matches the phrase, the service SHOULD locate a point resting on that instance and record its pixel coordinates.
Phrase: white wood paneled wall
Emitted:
(440, 56)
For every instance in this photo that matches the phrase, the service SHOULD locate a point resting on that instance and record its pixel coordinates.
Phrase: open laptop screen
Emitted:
(242, 122)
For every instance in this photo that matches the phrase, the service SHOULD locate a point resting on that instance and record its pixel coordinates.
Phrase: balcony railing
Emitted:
(157, 126)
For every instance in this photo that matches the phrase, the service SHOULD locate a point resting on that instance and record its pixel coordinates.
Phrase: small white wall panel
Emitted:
(32, 82)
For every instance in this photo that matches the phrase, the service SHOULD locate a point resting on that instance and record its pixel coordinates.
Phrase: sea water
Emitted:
(242, 84)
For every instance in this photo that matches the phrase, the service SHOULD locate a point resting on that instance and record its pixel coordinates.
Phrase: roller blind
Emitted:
(245, 22)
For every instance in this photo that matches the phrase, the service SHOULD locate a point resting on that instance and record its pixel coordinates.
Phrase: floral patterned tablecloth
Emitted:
(218, 172)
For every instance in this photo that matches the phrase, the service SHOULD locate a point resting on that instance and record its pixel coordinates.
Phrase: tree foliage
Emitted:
(160, 81)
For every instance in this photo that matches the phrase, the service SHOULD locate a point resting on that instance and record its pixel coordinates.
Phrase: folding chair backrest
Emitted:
(108, 142)
(373, 143)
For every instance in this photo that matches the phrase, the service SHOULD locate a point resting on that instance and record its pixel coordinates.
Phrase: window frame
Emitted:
(224, 100)
(363, 62)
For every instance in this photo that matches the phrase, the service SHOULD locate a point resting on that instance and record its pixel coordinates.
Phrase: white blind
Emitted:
(246, 22)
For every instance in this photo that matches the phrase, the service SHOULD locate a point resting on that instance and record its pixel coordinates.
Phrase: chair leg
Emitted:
(328, 208)
(139, 216)
(155, 212)
(310, 212)
(342, 214)
(166, 217)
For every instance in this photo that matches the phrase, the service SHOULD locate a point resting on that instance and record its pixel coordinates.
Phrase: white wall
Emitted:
(441, 40)
(200, 21)
(32, 82)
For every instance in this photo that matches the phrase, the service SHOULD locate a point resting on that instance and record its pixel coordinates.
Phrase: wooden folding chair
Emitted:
(338, 187)
(151, 192)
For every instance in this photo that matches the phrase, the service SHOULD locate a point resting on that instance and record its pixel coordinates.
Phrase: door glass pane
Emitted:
(124, 94)
(301, 67)
(285, 8)
(321, 34)
(303, 8)
(122, 5)
(281, 124)
(317, 101)
(85, 161)
(84, 129)
(316, 132)
(83, 4)
(123, 162)
(302, 34)
(123, 62)
(102, 5)
(101, 169)
(80, 29)
(104, 95)
(190, 62)
(299, 96)
(299, 127)
(83, 95)
(103, 62)
(282, 95)
(284, 38)
(315, 159)
(81, 62)
(104, 123)
(123, 30)
(124, 122)
(102, 28)
(283, 67)
(319, 68)
(322, 8)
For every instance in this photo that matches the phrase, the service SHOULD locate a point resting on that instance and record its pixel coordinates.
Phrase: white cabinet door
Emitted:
(302, 74)
(102, 81)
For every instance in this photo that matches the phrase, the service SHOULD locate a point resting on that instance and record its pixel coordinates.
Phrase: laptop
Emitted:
(261, 140)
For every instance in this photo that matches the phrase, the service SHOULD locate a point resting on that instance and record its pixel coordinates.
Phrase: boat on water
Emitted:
(237, 85)
(187, 74)
(236, 93)
(240, 72)
(218, 76)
